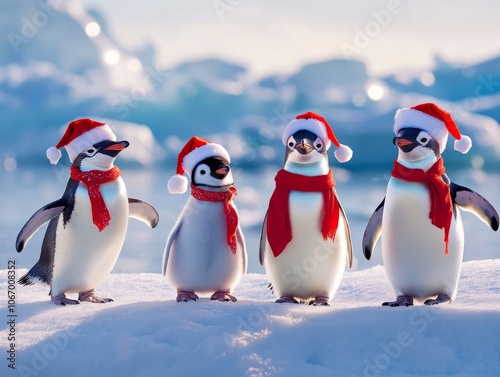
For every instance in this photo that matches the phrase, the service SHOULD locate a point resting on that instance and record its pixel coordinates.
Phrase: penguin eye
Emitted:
(90, 151)
(318, 144)
(423, 138)
(291, 143)
(202, 170)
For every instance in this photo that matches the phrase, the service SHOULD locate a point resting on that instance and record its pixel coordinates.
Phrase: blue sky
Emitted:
(279, 36)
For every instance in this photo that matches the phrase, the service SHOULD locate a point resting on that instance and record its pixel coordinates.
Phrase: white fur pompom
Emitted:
(53, 154)
(343, 153)
(177, 184)
(463, 145)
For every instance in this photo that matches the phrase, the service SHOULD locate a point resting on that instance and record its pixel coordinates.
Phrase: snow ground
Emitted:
(144, 332)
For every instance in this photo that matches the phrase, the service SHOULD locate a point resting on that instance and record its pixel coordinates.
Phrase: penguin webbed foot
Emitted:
(286, 300)
(320, 301)
(438, 300)
(62, 300)
(400, 301)
(89, 296)
(223, 296)
(186, 296)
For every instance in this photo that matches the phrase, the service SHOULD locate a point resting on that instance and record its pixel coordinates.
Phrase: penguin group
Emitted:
(305, 242)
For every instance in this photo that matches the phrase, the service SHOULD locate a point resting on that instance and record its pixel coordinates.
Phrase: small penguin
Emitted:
(87, 226)
(205, 251)
(419, 218)
(305, 238)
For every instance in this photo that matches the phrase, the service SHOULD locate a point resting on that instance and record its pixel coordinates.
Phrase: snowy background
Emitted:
(236, 72)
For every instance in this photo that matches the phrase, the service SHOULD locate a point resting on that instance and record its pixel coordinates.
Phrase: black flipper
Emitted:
(373, 231)
(471, 201)
(143, 211)
(42, 270)
(40, 217)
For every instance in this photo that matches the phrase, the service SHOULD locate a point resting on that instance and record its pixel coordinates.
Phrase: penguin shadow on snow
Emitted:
(25, 311)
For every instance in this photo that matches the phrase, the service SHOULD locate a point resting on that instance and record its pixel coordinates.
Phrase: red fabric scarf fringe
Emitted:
(230, 212)
(441, 206)
(93, 180)
(279, 229)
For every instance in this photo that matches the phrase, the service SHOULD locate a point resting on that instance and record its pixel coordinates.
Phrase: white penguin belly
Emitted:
(200, 258)
(309, 266)
(84, 257)
(413, 250)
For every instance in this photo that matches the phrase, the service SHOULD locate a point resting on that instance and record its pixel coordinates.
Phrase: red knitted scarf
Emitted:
(231, 215)
(279, 229)
(439, 192)
(93, 180)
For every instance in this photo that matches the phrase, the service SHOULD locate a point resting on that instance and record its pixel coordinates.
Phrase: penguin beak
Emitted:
(119, 146)
(112, 148)
(401, 142)
(304, 147)
(222, 170)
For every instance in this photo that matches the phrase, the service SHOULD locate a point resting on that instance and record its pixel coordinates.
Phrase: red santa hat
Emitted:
(80, 135)
(195, 151)
(319, 126)
(436, 122)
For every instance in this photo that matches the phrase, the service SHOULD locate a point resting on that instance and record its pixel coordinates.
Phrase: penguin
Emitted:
(84, 236)
(422, 252)
(305, 240)
(205, 251)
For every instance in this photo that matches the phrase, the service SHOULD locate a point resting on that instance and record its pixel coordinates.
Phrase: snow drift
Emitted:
(144, 332)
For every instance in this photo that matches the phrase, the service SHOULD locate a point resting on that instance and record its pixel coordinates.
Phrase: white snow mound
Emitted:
(144, 332)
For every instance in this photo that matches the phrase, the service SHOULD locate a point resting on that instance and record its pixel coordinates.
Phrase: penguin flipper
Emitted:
(347, 235)
(471, 201)
(373, 231)
(171, 238)
(42, 270)
(143, 211)
(241, 241)
(40, 217)
(263, 241)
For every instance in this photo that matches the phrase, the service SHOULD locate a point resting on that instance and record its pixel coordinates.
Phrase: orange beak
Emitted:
(400, 142)
(117, 147)
(222, 171)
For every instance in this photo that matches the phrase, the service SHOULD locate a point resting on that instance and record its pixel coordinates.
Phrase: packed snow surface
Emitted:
(144, 332)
